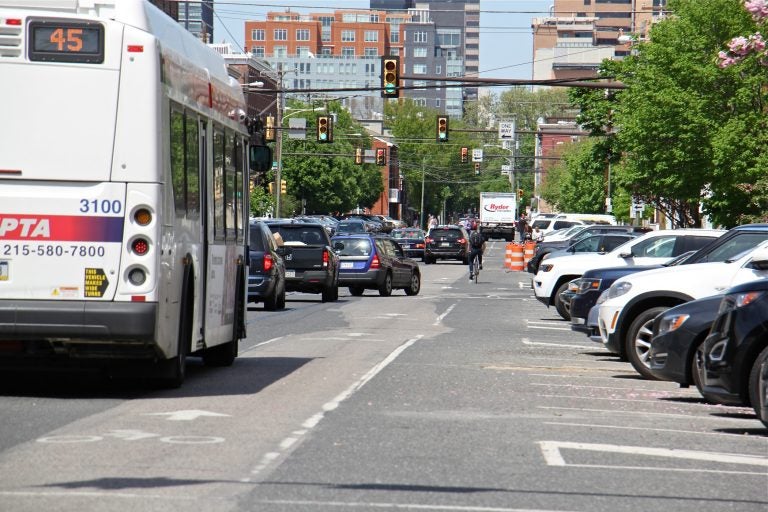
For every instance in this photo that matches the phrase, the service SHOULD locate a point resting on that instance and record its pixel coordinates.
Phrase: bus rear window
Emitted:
(66, 41)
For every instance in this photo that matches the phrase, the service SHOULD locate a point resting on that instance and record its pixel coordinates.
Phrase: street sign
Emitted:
(477, 155)
(506, 130)
(506, 168)
(297, 128)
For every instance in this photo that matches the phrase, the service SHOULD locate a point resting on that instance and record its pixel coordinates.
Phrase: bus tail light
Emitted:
(142, 216)
(137, 276)
(140, 246)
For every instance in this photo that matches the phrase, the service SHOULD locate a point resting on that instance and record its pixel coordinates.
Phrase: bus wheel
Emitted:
(174, 370)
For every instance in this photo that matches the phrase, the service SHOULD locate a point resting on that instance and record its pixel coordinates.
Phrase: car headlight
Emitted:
(617, 289)
(546, 267)
(671, 323)
(733, 301)
(585, 284)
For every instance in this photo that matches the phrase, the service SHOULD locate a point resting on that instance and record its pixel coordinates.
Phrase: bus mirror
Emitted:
(260, 158)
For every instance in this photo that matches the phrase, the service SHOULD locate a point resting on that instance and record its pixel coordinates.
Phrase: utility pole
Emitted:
(279, 140)
(421, 211)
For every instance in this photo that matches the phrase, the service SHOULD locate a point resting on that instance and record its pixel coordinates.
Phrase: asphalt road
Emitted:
(467, 397)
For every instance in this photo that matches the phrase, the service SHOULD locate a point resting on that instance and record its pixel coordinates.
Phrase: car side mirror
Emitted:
(760, 260)
(626, 255)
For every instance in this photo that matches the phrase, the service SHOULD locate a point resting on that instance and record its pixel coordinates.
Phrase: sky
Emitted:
(506, 42)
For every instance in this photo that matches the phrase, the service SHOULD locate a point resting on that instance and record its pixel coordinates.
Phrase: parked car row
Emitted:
(298, 254)
(689, 306)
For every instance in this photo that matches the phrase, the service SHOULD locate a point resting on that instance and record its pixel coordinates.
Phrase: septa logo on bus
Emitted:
(24, 228)
(62, 228)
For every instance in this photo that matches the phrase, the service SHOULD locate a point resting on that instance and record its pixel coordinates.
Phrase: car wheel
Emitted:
(638, 341)
(385, 290)
(415, 285)
(758, 399)
(697, 374)
(281, 298)
(356, 290)
(327, 294)
(270, 303)
(428, 260)
(559, 306)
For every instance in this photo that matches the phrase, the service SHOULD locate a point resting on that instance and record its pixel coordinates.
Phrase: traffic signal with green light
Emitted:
(269, 129)
(324, 129)
(477, 167)
(381, 157)
(464, 155)
(442, 129)
(390, 77)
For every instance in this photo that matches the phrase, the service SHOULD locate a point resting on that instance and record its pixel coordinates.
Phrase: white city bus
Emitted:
(123, 190)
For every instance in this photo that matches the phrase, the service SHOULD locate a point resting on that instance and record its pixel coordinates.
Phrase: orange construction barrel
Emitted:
(516, 262)
(529, 248)
(508, 256)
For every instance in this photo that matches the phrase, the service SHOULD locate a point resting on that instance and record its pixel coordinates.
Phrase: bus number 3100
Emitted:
(101, 206)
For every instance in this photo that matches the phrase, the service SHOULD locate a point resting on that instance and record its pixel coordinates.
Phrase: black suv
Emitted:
(266, 270)
(446, 243)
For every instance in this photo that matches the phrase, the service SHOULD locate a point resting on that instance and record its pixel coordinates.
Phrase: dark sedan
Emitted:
(411, 240)
(677, 334)
(266, 270)
(737, 343)
(447, 243)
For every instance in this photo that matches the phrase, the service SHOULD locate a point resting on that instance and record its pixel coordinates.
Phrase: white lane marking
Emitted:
(313, 420)
(187, 415)
(645, 413)
(548, 328)
(672, 430)
(401, 506)
(262, 343)
(527, 341)
(551, 450)
(440, 318)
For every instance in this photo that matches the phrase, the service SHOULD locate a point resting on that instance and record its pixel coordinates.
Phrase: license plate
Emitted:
(445, 244)
(406, 246)
(347, 264)
(290, 273)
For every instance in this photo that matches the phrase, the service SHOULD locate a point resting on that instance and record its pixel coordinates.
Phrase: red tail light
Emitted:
(419, 246)
(14, 21)
(268, 262)
(326, 259)
(140, 246)
(461, 241)
(427, 240)
(375, 261)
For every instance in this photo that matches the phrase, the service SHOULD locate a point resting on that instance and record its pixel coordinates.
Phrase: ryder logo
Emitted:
(493, 207)
(24, 228)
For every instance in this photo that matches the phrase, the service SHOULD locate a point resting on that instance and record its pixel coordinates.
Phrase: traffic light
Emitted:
(442, 129)
(390, 77)
(324, 129)
(269, 131)
(519, 193)
(358, 156)
(477, 167)
(464, 155)
(381, 158)
(271, 187)
(282, 186)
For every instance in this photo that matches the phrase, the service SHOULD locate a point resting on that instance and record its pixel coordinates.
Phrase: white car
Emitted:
(628, 308)
(654, 247)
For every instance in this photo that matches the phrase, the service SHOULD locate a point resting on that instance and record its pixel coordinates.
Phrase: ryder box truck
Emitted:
(498, 211)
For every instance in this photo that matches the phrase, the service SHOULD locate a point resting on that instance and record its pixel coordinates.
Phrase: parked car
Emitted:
(737, 345)
(601, 243)
(311, 266)
(589, 287)
(761, 407)
(372, 221)
(266, 269)
(570, 237)
(411, 240)
(446, 243)
(633, 302)
(654, 247)
(375, 262)
(676, 337)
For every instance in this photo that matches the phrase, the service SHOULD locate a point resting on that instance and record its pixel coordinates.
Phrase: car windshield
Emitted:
(407, 233)
(448, 234)
(351, 227)
(352, 246)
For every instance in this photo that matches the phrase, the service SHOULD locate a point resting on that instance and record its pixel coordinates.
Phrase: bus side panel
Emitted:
(138, 129)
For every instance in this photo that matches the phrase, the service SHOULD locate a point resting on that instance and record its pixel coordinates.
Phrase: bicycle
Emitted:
(475, 267)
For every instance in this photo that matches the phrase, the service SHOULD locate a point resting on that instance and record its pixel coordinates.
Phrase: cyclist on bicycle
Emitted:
(476, 248)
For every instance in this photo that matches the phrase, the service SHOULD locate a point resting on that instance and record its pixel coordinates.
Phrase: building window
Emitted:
(258, 51)
(438, 69)
(348, 51)
(371, 36)
(394, 51)
(258, 34)
(371, 52)
(419, 69)
(280, 51)
(420, 51)
(394, 36)
(420, 84)
(281, 34)
(347, 36)
(302, 51)
(419, 37)
(302, 34)
(437, 102)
